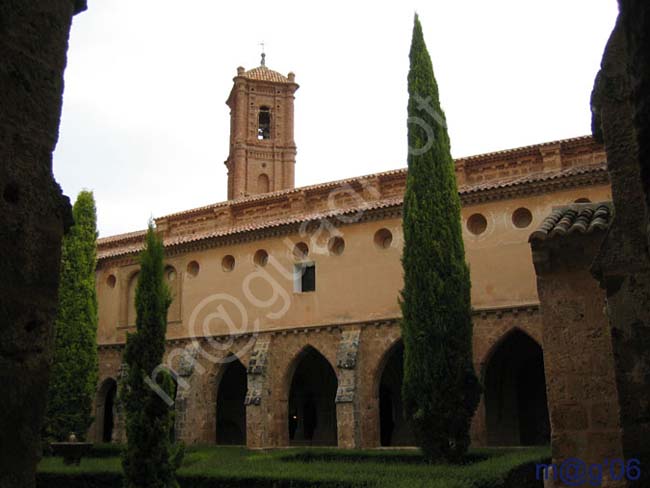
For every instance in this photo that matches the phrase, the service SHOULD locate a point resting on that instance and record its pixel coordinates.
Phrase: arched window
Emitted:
(131, 313)
(264, 123)
(263, 183)
(174, 283)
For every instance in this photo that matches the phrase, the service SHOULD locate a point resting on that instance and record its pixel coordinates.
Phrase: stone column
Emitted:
(347, 402)
(119, 416)
(256, 417)
(581, 389)
(184, 428)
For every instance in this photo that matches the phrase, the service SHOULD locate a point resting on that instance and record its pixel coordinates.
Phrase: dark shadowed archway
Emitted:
(231, 411)
(515, 393)
(312, 407)
(105, 416)
(393, 428)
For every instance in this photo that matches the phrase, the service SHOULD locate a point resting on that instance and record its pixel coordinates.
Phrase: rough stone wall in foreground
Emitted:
(623, 264)
(33, 217)
(635, 19)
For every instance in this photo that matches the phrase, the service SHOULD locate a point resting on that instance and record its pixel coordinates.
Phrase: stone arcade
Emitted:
(284, 326)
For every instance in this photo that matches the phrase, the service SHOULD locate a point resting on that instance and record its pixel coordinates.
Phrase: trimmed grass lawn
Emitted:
(485, 468)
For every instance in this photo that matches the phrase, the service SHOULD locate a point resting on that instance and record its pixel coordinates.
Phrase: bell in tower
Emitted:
(262, 149)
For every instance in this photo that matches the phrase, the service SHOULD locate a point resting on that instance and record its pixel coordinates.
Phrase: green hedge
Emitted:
(521, 477)
(105, 450)
(79, 480)
(237, 467)
(97, 451)
(414, 457)
(114, 480)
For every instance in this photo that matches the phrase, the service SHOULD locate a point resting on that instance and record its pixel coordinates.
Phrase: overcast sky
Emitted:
(145, 125)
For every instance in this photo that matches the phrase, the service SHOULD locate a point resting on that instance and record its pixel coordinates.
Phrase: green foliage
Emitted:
(73, 377)
(440, 389)
(150, 459)
(316, 467)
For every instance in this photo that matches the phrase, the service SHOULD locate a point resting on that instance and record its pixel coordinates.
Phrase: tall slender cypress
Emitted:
(73, 377)
(150, 460)
(440, 389)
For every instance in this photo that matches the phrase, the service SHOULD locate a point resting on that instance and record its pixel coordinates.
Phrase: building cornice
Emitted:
(484, 312)
(122, 250)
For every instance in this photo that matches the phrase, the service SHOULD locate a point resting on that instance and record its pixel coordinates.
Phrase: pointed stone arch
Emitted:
(310, 385)
(230, 411)
(105, 410)
(393, 428)
(516, 411)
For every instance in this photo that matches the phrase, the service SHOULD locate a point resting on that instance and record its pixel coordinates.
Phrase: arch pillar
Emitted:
(347, 400)
(583, 398)
(256, 401)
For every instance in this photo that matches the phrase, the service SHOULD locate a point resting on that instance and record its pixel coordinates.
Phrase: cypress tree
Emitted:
(73, 377)
(440, 389)
(149, 460)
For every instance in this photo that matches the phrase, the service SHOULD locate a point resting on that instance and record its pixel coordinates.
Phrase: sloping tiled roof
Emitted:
(470, 192)
(582, 218)
(262, 73)
(534, 177)
(463, 190)
(524, 149)
(137, 234)
(138, 244)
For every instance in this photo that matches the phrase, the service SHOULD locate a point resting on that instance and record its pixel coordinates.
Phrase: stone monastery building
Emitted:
(284, 325)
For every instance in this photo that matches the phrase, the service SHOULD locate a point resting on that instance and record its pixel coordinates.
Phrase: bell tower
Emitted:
(262, 150)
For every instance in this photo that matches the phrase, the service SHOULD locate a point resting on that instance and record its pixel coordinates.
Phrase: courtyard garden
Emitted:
(221, 466)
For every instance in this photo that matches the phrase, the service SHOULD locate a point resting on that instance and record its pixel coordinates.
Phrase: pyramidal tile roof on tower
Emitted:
(581, 218)
(262, 73)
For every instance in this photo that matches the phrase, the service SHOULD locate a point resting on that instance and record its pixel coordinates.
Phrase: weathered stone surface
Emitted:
(620, 105)
(33, 217)
(257, 371)
(346, 356)
(583, 398)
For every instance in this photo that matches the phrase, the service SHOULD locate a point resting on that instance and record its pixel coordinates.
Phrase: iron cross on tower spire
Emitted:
(263, 54)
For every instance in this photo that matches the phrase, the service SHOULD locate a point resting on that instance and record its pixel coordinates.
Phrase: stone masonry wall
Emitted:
(623, 263)
(357, 353)
(578, 357)
(33, 218)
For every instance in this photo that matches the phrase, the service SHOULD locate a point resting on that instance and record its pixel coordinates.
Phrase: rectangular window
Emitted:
(304, 277)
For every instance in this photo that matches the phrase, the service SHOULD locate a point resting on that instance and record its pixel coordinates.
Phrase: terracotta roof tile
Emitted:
(122, 237)
(130, 242)
(534, 177)
(523, 149)
(582, 218)
(465, 189)
(137, 246)
(262, 73)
